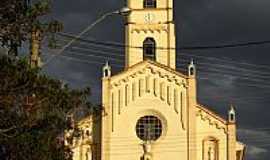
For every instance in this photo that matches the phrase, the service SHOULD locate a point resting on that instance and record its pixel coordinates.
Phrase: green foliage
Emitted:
(33, 112)
(18, 18)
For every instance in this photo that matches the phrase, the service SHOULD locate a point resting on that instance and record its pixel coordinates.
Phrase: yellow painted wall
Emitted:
(125, 108)
(207, 126)
(155, 23)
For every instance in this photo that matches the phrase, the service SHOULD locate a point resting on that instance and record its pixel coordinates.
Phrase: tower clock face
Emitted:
(149, 18)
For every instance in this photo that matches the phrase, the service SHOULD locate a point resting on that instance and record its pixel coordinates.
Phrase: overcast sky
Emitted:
(233, 75)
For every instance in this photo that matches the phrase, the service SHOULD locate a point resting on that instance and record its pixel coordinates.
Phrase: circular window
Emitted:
(149, 128)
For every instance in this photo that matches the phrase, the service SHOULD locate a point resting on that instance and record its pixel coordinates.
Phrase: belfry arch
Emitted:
(149, 49)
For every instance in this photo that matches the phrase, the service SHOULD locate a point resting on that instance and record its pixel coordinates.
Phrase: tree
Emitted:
(18, 18)
(34, 111)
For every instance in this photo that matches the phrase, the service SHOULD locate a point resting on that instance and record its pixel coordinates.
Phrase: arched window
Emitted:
(149, 49)
(149, 4)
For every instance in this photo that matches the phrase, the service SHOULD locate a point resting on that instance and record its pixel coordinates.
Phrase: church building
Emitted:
(150, 110)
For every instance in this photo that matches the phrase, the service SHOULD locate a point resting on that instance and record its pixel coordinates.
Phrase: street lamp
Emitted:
(125, 11)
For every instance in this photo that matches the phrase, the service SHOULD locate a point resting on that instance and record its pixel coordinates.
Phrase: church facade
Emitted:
(150, 110)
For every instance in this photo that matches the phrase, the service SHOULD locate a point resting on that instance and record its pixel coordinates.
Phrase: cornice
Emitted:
(212, 119)
(150, 69)
(138, 28)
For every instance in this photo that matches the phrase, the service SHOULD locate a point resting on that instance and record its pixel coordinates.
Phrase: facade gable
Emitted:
(149, 79)
(147, 90)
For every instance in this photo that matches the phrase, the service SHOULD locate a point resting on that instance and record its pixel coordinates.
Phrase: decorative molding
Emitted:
(212, 122)
(151, 80)
(146, 28)
(171, 78)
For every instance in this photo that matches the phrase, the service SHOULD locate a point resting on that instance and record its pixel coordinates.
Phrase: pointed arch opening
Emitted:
(150, 4)
(149, 49)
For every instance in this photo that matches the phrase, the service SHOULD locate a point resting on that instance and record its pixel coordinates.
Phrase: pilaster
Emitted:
(192, 102)
(231, 136)
(105, 124)
(191, 114)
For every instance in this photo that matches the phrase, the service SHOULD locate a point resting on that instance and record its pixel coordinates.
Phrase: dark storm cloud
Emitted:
(230, 19)
(256, 151)
(198, 22)
(80, 13)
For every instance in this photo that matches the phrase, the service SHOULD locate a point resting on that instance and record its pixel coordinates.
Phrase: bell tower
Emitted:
(150, 32)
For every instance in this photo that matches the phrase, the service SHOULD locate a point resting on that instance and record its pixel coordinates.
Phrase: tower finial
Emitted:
(232, 114)
(106, 70)
(192, 62)
(107, 63)
(191, 68)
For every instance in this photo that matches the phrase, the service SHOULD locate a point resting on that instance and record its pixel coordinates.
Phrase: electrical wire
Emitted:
(87, 61)
(72, 52)
(117, 44)
(210, 65)
(236, 68)
(182, 48)
(224, 60)
(207, 58)
(249, 77)
(204, 73)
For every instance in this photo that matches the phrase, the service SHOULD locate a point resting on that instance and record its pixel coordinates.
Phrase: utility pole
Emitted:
(36, 38)
(37, 35)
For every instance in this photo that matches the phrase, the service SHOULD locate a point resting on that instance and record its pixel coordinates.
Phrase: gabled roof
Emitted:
(211, 113)
(181, 74)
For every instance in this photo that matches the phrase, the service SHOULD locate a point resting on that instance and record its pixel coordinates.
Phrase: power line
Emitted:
(187, 55)
(208, 70)
(109, 53)
(247, 77)
(226, 61)
(234, 68)
(250, 77)
(260, 74)
(209, 64)
(182, 48)
(237, 75)
(87, 61)
(117, 44)
(120, 66)
(245, 84)
(192, 56)
(94, 56)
